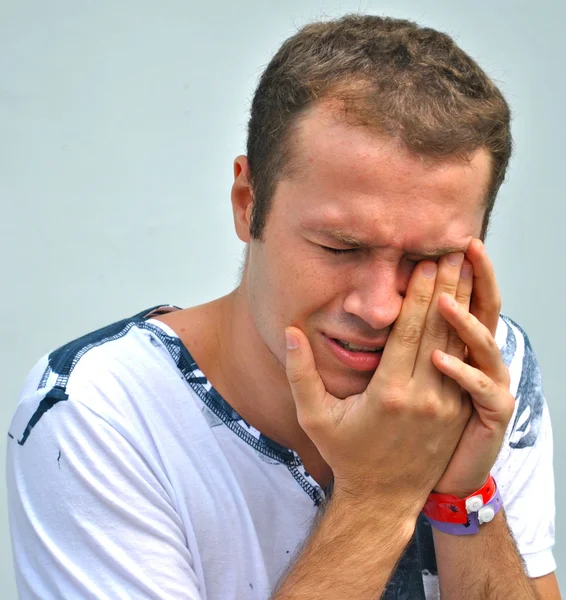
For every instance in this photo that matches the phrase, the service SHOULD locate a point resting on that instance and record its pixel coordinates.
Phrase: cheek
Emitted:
(273, 289)
(304, 284)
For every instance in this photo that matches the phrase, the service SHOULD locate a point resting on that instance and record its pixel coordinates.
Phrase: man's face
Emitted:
(386, 209)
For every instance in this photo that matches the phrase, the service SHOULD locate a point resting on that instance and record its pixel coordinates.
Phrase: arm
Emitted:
(547, 587)
(490, 552)
(387, 447)
(403, 425)
(485, 565)
(488, 565)
(351, 553)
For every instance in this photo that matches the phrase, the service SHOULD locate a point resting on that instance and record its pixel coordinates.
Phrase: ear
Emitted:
(242, 198)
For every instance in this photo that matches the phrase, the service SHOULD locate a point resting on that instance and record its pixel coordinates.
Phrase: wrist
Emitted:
(399, 512)
(461, 490)
(465, 515)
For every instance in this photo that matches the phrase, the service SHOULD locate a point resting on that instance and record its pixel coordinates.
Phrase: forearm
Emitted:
(483, 566)
(351, 553)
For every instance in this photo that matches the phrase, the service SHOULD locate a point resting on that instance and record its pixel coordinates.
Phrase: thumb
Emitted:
(306, 385)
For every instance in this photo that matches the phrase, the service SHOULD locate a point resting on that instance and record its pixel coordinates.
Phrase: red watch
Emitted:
(451, 509)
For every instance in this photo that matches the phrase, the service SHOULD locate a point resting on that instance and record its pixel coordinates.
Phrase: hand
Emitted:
(397, 437)
(485, 379)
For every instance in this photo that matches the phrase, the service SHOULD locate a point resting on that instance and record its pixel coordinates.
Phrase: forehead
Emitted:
(348, 177)
(324, 139)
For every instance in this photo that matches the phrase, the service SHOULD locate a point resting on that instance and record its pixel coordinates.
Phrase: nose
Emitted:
(376, 294)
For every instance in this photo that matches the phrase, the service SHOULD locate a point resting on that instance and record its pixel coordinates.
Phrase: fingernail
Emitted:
(429, 269)
(445, 357)
(455, 258)
(292, 340)
(466, 271)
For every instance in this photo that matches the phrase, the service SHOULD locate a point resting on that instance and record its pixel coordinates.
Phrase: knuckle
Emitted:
(429, 407)
(450, 287)
(469, 323)
(485, 384)
(455, 344)
(452, 415)
(463, 297)
(455, 408)
(462, 415)
(472, 321)
(394, 404)
(410, 332)
(421, 298)
(490, 343)
(436, 328)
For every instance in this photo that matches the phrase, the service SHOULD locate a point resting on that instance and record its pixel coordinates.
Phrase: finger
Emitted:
(436, 328)
(493, 403)
(455, 345)
(477, 337)
(307, 387)
(400, 352)
(486, 299)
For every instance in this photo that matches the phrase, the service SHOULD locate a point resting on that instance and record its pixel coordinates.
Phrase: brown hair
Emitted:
(393, 76)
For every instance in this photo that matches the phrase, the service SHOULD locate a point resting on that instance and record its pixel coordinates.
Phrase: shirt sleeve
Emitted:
(524, 468)
(89, 516)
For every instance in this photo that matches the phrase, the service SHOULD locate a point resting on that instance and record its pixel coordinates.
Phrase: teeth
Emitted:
(356, 348)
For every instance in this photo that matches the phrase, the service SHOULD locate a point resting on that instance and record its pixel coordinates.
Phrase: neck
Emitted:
(223, 339)
(257, 381)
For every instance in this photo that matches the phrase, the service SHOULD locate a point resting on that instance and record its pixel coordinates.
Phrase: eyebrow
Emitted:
(347, 239)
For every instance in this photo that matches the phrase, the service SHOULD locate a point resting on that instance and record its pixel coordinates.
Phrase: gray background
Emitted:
(119, 121)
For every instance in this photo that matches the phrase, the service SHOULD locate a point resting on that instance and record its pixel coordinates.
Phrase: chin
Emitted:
(344, 386)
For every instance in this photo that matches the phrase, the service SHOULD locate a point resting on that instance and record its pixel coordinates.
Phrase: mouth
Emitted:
(355, 356)
(357, 347)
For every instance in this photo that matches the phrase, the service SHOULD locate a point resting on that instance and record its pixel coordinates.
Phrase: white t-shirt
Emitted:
(130, 477)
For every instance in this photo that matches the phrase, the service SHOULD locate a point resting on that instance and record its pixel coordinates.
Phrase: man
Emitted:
(282, 442)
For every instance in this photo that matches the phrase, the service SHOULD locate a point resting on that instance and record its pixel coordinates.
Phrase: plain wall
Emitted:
(119, 122)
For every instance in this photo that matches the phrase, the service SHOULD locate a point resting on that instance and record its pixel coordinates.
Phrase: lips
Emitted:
(358, 359)
(358, 347)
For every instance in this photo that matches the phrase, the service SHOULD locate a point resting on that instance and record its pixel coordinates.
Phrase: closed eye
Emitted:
(339, 250)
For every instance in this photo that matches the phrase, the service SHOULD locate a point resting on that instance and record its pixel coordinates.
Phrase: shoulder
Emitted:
(526, 382)
(107, 370)
(124, 347)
